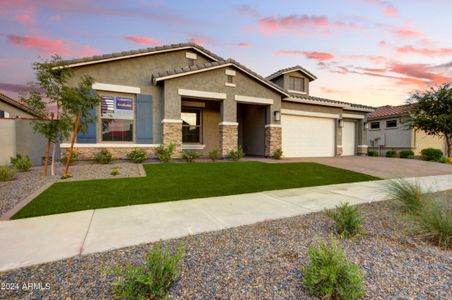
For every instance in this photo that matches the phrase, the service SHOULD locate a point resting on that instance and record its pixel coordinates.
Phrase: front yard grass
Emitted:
(170, 182)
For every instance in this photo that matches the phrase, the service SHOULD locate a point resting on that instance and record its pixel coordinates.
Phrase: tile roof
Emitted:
(206, 66)
(329, 102)
(294, 68)
(140, 52)
(389, 111)
(18, 105)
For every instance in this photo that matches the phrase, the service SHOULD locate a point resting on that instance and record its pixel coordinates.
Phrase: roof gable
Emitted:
(18, 105)
(290, 70)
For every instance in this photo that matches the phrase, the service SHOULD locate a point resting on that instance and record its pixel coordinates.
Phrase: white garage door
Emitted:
(348, 138)
(307, 136)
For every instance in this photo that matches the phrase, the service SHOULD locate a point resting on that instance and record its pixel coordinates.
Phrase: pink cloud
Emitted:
(388, 8)
(244, 45)
(25, 19)
(198, 41)
(47, 46)
(407, 31)
(320, 56)
(424, 51)
(420, 71)
(142, 40)
(327, 90)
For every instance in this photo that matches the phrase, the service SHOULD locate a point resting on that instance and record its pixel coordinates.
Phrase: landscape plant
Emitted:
(103, 157)
(7, 173)
(137, 155)
(75, 157)
(115, 171)
(409, 195)
(348, 220)
(236, 154)
(329, 275)
(152, 279)
(435, 221)
(214, 155)
(189, 155)
(432, 154)
(391, 153)
(21, 163)
(278, 154)
(406, 154)
(165, 154)
(372, 153)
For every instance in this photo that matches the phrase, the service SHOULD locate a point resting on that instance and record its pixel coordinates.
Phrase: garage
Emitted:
(348, 138)
(304, 136)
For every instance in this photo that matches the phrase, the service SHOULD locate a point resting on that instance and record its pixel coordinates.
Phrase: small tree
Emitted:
(432, 112)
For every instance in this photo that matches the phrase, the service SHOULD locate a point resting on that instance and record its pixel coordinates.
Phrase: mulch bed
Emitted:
(262, 261)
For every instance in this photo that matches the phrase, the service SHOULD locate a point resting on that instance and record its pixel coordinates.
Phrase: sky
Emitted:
(372, 52)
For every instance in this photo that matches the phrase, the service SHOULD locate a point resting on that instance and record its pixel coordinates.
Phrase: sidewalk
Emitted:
(38, 240)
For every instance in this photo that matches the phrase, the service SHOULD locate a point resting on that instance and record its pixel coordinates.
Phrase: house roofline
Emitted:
(18, 105)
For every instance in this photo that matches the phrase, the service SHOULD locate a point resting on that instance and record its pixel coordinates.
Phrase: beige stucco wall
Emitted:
(423, 140)
(7, 140)
(13, 111)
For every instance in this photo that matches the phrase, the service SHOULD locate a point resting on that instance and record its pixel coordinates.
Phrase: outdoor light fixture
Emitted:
(366, 125)
(340, 123)
(277, 115)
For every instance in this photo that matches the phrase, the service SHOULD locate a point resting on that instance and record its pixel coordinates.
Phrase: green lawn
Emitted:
(170, 182)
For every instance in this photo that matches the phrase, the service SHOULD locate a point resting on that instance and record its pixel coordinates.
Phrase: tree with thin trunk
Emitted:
(431, 111)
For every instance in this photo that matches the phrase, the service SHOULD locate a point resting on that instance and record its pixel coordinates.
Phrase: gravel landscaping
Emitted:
(262, 261)
(25, 183)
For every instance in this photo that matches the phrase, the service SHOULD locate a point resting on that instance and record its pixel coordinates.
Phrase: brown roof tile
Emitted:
(389, 111)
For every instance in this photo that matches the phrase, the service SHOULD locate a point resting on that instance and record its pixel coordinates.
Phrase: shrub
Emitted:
(431, 154)
(137, 155)
(406, 154)
(189, 156)
(21, 163)
(348, 220)
(435, 222)
(114, 171)
(372, 153)
(153, 279)
(329, 275)
(410, 195)
(391, 153)
(165, 153)
(75, 158)
(449, 160)
(103, 157)
(7, 173)
(214, 155)
(278, 154)
(236, 155)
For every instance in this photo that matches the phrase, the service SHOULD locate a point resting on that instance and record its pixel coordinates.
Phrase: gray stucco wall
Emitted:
(400, 137)
(13, 111)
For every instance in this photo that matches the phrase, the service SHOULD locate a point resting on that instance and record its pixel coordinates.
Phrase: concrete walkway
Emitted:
(38, 240)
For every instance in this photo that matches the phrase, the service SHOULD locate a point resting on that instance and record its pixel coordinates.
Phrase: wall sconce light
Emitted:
(277, 115)
(366, 125)
(340, 123)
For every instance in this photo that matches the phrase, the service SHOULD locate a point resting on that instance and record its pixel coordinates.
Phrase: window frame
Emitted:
(197, 110)
(375, 122)
(392, 120)
(99, 121)
(294, 79)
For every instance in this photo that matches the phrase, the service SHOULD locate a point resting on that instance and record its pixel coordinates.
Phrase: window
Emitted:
(391, 124)
(117, 116)
(296, 84)
(2, 114)
(191, 125)
(375, 125)
(190, 61)
(230, 79)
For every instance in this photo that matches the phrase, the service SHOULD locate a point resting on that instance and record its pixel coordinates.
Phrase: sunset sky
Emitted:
(373, 52)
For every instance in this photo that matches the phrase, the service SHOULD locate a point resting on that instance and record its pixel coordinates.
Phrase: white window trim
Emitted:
(273, 126)
(229, 123)
(172, 121)
(116, 88)
(392, 127)
(191, 55)
(297, 92)
(229, 84)
(309, 114)
(230, 72)
(202, 94)
(255, 100)
(109, 145)
(187, 146)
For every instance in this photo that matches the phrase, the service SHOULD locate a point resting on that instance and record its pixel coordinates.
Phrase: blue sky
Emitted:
(373, 52)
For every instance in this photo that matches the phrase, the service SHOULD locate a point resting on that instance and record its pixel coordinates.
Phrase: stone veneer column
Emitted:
(228, 137)
(361, 150)
(172, 133)
(339, 150)
(272, 139)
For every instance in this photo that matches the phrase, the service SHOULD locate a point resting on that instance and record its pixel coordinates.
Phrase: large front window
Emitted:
(191, 125)
(117, 118)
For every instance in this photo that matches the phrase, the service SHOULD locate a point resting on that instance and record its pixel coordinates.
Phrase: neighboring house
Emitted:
(16, 132)
(388, 130)
(187, 95)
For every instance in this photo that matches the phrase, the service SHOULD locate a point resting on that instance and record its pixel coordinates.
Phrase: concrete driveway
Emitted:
(381, 166)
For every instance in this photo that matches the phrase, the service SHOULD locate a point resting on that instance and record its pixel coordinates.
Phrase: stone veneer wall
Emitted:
(228, 138)
(361, 150)
(339, 151)
(272, 140)
(172, 133)
(87, 153)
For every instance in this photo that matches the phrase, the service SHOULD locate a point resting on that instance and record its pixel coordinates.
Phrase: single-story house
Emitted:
(186, 95)
(388, 130)
(16, 132)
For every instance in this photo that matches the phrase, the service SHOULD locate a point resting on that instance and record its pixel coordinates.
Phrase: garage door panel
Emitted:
(307, 136)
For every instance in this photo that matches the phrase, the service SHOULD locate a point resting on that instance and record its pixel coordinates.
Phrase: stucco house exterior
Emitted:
(187, 95)
(389, 131)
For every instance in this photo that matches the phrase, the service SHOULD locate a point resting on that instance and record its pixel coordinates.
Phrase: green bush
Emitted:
(189, 156)
(406, 154)
(372, 153)
(103, 157)
(432, 154)
(137, 155)
(75, 158)
(348, 220)
(410, 195)
(278, 154)
(435, 222)
(391, 153)
(214, 155)
(166, 153)
(7, 173)
(114, 171)
(236, 155)
(329, 275)
(21, 163)
(153, 279)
